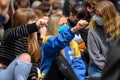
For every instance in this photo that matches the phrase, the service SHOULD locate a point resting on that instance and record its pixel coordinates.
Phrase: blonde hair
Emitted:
(53, 24)
(20, 17)
(111, 17)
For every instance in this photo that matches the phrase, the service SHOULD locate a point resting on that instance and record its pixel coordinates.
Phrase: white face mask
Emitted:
(100, 21)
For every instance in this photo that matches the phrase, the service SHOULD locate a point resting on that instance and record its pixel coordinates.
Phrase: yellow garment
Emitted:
(81, 46)
(45, 39)
(74, 45)
(41, 76)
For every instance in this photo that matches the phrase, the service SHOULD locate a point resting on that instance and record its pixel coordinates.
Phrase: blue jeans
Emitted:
(17, 70)
(92, 72)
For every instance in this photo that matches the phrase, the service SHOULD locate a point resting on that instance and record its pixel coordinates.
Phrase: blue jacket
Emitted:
(75, 61)
(51, 48)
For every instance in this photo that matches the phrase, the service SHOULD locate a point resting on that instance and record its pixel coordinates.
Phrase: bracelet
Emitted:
(74, 29)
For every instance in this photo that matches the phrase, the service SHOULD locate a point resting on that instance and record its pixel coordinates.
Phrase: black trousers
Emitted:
(60, 70)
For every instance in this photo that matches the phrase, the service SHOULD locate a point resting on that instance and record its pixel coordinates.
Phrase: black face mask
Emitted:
(73, 22)
(55, 7)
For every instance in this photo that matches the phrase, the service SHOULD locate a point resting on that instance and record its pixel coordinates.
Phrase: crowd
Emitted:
(53, 40)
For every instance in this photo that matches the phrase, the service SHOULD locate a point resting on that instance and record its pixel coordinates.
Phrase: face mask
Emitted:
(100, 21)
(62, 28)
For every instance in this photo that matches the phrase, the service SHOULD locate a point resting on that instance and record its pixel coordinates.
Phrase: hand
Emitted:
(43, 31)
(41, 22)
(81, 24)
(34, 78)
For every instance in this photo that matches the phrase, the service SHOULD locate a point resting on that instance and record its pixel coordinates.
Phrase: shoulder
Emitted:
(45, 39)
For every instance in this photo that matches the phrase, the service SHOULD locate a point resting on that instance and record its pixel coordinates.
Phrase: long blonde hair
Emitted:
(111, 17)
(20, 17)
(53, 24)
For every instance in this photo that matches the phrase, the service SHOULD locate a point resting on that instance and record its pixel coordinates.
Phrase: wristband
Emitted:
(74, 29)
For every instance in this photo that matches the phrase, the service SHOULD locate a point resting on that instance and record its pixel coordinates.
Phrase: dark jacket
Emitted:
(112, 67)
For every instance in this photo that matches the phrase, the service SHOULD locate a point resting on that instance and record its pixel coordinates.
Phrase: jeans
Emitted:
(92, 72)
(17, 70)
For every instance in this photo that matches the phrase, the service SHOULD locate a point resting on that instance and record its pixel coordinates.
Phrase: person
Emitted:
(19, 50)
(77, 12)
(4, 17)
(89, 5)
(11, 8)
(45, 7)
(58, 64)
(17, 4)
(111, 69)
(104, 29)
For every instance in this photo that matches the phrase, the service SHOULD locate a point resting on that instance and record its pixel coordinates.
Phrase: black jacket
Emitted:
(112, 68)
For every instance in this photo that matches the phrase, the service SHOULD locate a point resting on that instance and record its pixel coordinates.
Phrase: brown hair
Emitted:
(20, 17)
(38, 13)
(21, 4)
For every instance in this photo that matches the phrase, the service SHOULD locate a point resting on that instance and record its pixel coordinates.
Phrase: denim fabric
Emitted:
(92, 72)
(17, 70)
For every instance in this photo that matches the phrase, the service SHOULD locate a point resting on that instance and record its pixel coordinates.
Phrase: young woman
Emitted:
(14, 65)
(104, 29)
(58, 64)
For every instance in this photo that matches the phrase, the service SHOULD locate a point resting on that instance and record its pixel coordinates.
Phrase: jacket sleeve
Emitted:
(55, 43)
(79, 68)
(97, 59)
(2, 19)
(112, 66)
(20, 31)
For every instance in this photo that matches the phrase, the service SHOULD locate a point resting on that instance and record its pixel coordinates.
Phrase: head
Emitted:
(4, 4)
(54, 22)
(45, 8)
(106, 15)
(77, 12)
(57, 11)
(21, 4)
(27, 16)
(38, 13)
(35, 4)
(23, 16)
(90, 4)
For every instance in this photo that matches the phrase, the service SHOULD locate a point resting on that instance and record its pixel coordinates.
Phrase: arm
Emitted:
(17, 32)
(79, 68)
(23, 31)
(56, 43)
(96, 57)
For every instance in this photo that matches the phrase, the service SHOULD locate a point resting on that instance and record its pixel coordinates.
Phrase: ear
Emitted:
(71, 14)
(89, 9)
